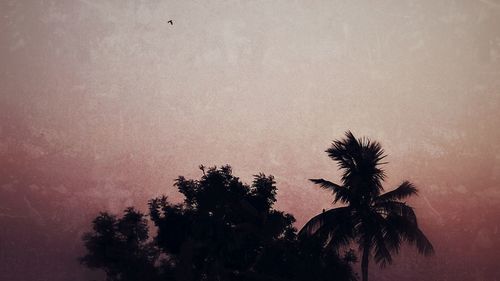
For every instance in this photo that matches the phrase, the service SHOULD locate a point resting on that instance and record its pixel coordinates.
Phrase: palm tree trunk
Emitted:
(364, 262)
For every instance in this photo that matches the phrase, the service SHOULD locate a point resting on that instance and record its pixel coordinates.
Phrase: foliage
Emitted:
(121, 247)
(378, 223)
(224, 230)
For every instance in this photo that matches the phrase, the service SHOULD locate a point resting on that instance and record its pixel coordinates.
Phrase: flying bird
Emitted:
(171, 22)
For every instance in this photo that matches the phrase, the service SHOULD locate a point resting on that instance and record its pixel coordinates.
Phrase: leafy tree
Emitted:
(378, 222)
(120, 247)
(219, 230)
(223, 230)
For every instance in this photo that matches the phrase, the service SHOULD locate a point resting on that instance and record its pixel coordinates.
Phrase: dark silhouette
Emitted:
(121, 247)
(224, 230)
(171, 22)
(377, 222)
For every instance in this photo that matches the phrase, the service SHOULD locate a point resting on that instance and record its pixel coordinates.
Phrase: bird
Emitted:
(171, 22)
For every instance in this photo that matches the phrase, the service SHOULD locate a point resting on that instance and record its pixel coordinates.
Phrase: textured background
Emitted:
(103, 104)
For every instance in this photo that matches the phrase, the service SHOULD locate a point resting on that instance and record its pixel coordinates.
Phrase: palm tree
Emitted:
(378, 222)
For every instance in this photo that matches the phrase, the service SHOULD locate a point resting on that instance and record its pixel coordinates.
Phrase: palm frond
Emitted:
(404, 190)
(392, 237)
(424, 246)
(331, 216)
(359, 160)
(395, 208)
(335, 226)
(411, 233)
(381, 253)
(341, 193)
(344, 152)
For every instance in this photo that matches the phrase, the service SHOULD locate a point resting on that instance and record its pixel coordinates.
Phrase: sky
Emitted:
(104, 103)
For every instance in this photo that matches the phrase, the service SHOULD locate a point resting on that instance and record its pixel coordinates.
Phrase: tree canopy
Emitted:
(223, 230)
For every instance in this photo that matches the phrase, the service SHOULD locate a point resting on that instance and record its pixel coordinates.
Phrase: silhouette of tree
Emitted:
(377, 222)
(223, 230)
(120, 247)
(304, 259)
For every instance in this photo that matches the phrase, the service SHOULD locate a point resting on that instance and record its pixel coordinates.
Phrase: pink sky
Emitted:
(103, 104)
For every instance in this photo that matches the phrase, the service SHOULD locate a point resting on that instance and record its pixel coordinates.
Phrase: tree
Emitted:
(220, 229)
(378, 222)
(223, 230)
(121, 247)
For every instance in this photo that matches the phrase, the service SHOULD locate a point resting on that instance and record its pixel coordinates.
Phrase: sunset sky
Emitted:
(103, 104)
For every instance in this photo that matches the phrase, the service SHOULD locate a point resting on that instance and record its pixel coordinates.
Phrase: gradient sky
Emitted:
(103, 104)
